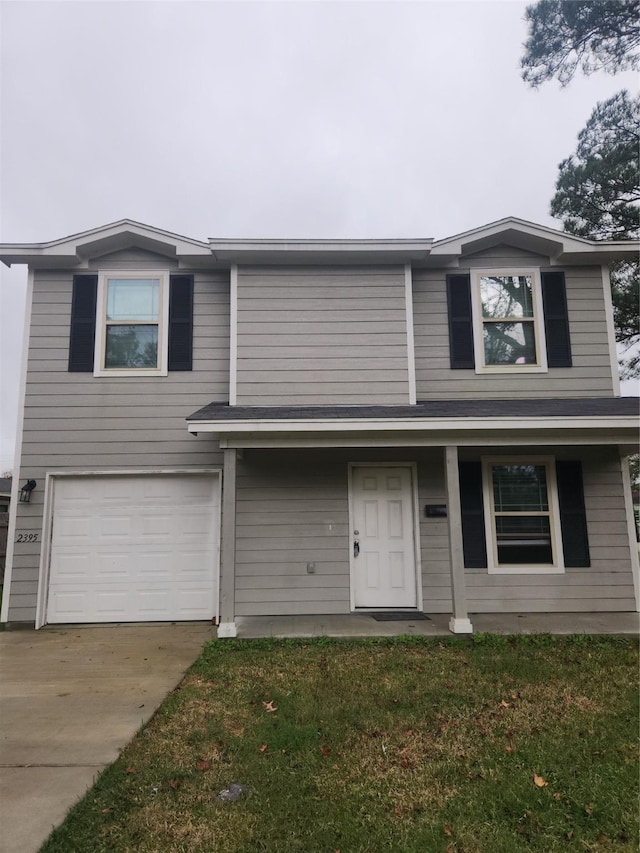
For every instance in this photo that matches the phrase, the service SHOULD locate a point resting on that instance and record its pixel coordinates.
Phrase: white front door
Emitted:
(383, 561)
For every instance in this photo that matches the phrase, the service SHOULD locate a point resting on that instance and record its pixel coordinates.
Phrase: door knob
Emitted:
(356, 548)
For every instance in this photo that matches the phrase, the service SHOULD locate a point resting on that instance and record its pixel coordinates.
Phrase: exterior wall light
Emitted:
(25, 491)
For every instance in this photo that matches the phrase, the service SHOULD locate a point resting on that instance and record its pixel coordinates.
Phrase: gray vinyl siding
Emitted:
(75, 421)
(590, 375)
(292, 508)
(607, 585)
(323, 335)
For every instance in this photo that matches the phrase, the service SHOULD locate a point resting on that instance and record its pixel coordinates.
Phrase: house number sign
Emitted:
(27, 537)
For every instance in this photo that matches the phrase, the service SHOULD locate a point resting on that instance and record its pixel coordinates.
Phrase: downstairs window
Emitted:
(521, 515)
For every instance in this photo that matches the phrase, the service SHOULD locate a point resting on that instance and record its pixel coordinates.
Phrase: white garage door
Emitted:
(134, 548)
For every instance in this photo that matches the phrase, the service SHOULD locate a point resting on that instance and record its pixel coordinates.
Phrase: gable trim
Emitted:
(15, 484)
(611, 331)
(411, 356)
(233, 335)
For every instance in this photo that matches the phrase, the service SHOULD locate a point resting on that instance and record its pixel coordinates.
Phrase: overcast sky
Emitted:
(270, 119)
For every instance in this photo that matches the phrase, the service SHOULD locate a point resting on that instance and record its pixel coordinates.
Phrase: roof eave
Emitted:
(77, 249)
(320, 251)
(270, 425)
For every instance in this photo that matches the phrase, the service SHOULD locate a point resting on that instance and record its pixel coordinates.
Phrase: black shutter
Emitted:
(181, 322)
(573, 518)
(83, 323)
(472, 505)
(556, 319)
(460, 322)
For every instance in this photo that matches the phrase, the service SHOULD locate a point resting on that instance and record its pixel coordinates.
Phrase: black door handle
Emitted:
(356, 548)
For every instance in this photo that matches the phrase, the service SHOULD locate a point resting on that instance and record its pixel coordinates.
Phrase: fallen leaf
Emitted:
(539, 781)
(325, 750)
(504, 704)
(569, 835)
(588, 809)
(201, 764)
(130, 770)
(558, 796)
(262, 747)
(450, 848)
(509, 748)
(174, 783)
(106, 811)
(269, 707)
(447, 829)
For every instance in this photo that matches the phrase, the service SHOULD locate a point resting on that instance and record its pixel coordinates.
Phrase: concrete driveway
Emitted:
(70, 700)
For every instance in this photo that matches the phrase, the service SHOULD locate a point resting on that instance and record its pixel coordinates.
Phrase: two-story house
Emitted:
(220, 429)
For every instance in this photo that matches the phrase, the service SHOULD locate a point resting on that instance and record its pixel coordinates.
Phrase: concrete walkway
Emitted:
(437, 625)
(70, 700)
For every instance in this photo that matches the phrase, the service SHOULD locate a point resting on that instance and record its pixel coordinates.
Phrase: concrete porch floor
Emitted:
(363, 625)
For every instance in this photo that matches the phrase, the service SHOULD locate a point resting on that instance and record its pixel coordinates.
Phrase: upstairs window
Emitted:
(132, 324)
(508, 325)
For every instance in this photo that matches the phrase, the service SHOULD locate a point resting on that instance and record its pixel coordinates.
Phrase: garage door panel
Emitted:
(192, 566)
(70, 567)
(72, 526)
(134, 548)
(157, 525)
(72, 603)
(115, 526)
(111, 567)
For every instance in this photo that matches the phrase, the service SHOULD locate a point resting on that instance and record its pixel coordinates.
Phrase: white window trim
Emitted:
(494, 568)
(163, 325)
(538, 323)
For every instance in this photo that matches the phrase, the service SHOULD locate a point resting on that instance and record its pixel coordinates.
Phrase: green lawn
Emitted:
(411, 744)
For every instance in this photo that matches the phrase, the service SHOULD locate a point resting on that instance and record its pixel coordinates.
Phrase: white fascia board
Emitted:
(569, 248)
(487, 438)
(310, 245)
(493, 229)
(320, 251)
(267, 425)
(73, 248)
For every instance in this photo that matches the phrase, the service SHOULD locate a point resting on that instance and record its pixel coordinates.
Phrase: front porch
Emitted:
(437, 625)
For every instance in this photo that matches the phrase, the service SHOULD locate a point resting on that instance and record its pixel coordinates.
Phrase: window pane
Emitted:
(520, 488)
(509, 343)
(133, 299)
(132, 346)
(523, 539)
(506, 296)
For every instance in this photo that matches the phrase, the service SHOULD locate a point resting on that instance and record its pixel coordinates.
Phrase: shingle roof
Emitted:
(539, 408)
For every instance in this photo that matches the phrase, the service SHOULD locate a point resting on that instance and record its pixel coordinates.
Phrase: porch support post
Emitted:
(631, 528)
(227, 626)
(459, 622)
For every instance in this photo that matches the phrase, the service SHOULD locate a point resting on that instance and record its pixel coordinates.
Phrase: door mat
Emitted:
(398, 616)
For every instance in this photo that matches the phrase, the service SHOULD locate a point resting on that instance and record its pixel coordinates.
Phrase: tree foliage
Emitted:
(597, 196)
(597, 192)
(592, 35)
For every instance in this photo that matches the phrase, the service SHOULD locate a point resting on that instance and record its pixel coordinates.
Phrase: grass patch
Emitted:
(408, 744)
